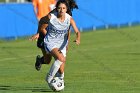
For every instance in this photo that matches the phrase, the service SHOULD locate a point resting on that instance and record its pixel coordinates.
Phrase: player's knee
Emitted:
(62, 59)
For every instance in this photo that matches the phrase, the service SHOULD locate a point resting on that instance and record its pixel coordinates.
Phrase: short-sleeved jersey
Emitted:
(57, 32)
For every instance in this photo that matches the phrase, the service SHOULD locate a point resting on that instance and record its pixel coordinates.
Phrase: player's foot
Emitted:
(49, 78)
(38, 63)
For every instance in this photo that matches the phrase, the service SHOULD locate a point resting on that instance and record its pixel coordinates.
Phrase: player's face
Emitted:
(62, 9)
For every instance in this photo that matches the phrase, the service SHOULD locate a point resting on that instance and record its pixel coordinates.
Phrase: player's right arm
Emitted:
(43, 23)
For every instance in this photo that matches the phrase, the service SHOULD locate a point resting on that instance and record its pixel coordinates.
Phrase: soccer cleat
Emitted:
(38, 63)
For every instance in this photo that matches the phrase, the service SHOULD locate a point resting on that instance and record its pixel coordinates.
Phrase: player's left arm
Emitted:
(77, 32)
(67, 47)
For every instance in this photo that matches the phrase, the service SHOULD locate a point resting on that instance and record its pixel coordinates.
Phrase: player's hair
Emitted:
(61, 1)
(70, 4)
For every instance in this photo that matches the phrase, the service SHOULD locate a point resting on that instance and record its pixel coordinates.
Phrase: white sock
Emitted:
(53, 70)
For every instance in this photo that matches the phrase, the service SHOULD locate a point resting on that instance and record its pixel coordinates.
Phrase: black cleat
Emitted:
(38, 63)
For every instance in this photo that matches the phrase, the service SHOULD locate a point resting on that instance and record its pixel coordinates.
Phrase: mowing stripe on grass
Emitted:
(12, 58)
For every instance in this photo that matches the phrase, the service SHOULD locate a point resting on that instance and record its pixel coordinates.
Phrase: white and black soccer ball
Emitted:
(57, 84)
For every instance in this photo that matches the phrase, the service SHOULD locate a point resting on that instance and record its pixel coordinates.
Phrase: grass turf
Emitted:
(107, 61)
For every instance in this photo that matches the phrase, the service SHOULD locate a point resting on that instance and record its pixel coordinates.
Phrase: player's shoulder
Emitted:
(53, 11)
(45, 19)
(68, 16)
(53, 14)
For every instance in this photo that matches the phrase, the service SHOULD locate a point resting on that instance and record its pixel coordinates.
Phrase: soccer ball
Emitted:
(57, 84)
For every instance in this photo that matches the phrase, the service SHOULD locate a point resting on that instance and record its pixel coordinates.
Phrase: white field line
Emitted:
(14, 58)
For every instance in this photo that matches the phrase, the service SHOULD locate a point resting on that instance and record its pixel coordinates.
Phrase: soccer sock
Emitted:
(53, 70)
(62, 75)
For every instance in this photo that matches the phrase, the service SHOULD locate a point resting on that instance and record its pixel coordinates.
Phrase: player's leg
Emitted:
(60, 73)
(45, 59)
(39, 59)
(59, 60)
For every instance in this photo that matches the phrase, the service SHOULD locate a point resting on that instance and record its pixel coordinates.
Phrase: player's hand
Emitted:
(77, 42)
(34, 37)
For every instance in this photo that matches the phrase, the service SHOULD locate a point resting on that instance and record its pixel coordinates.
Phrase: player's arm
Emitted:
(34, 37)
(77, 32)
(43, 23)
(44, 20)
(67, 47)
(42, 28)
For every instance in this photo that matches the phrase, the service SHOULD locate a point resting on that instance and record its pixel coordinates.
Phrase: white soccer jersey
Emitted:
(57, 32)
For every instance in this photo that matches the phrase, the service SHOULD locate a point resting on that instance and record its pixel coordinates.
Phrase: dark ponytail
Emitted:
(72, 4)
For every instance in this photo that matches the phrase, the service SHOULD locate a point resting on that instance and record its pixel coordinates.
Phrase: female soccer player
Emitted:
(46, 58)
(56, 32)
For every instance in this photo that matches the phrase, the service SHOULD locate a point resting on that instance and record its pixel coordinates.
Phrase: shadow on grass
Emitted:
(32, 89)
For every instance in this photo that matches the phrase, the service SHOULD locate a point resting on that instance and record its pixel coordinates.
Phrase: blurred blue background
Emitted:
(18, 19)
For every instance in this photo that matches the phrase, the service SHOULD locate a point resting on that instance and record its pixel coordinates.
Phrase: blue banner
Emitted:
(19, 19)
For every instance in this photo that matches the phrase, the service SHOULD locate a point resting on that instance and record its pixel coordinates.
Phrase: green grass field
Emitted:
(2, 0)
(107, 61)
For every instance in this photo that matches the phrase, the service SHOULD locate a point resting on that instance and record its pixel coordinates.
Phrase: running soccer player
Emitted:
(56, 36)
(46, 58)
